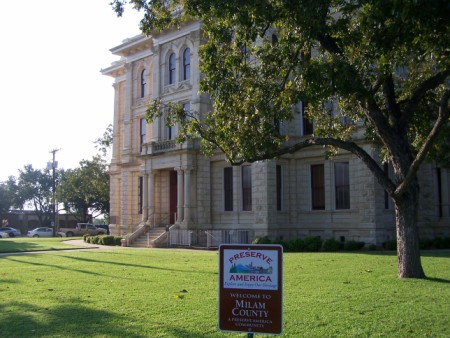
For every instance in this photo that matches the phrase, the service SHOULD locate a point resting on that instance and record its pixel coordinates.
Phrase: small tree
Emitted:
(6, 198)
(34, 187)
(384, 64)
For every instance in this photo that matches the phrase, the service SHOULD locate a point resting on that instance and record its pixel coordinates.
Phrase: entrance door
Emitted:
(172, 196)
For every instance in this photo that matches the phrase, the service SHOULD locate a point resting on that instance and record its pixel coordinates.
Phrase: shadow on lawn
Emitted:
(90, 260)
(65, 320)
(75, 320)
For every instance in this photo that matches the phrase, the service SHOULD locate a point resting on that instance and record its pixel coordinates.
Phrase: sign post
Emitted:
(251, 288)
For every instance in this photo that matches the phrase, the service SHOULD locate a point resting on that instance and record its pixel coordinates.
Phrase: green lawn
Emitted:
(135, 293)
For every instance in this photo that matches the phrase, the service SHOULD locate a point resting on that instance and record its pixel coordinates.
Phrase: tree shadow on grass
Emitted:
(65, 320)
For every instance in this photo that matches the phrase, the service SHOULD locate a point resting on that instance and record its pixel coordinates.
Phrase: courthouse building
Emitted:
(160, 187)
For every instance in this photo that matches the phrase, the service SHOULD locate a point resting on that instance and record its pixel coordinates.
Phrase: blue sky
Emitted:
(53, 95)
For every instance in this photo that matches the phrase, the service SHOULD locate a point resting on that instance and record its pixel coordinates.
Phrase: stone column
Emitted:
(145, 198)
(151, 198)
(126, 151)
(187, 195)
(180, 197)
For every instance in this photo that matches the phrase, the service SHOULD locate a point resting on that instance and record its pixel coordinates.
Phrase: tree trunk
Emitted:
(408, 250)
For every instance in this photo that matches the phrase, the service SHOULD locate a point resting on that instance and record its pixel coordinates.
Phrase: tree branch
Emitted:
(352, 147)
(425, 86)
(444, 114)
(389, 97)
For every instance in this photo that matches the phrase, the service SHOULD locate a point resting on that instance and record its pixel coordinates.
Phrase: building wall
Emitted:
(370, 217)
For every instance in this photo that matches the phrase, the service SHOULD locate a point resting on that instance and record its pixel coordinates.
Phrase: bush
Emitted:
(353, 245)
(118, 240)
(312, 244)
(282, 242)
(390, 245)
(262, 240)
(331, 245)
(107, 240)
(296, 245)
(372, 247)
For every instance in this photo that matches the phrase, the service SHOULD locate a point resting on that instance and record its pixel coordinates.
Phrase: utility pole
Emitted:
(54, 165)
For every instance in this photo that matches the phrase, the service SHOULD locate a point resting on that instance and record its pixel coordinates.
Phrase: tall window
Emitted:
(386, 194)
(279, 187)
(171, 68)
(317, 187)
(140, 194)
(342, 185)
(246, 188)
(143, 83)
(307, 124)
(186, 64)
(143, 133)
(228, 188)
(186, 107)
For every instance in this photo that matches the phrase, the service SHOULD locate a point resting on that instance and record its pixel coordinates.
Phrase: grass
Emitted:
(27, 244)
(136, 293)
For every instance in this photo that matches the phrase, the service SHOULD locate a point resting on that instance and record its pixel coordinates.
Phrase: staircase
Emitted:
(147, 240)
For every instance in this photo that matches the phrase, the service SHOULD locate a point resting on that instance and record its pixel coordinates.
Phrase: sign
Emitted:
(251, 288)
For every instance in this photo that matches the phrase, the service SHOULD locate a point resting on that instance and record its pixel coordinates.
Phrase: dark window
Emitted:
(318, 187)
(246, 188)
(440, 198)
(279, 187)
(342, 185)
(143, 133)
(274, 39)
(143, 83)
(386, 195)
(307, 123)
(172, 68)
(140, 191)
(186, 64)
(228, 188)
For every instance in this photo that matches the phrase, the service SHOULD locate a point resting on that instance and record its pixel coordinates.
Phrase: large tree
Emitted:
(383, 65)
(85, 190)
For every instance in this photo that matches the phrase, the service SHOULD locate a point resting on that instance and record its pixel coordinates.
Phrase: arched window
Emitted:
(143, 83)
(274, 39)
(186, 64)
(171, 68)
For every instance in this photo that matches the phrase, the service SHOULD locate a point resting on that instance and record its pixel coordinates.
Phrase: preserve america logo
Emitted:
(250, 269)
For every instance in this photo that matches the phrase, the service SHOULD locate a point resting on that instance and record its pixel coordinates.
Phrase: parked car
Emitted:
(44, 232)
(4, 234)
(13, 232)
(103, 226)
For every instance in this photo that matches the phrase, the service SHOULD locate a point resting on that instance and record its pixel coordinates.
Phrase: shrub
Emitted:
(262, 240)
(372, 247)
(331, 245)
(118, 240)
(108, 240)
(85, 237)
(296, 245)
(312, 244)
(425, 244)
(390, 245)
(353, 245)
(282, 242)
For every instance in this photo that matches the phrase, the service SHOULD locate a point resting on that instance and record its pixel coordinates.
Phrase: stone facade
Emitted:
(156, 181)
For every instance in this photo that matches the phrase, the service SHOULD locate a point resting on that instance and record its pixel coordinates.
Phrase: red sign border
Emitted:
(276, 296)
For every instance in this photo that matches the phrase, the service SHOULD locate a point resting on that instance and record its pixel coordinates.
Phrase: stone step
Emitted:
(144, 242)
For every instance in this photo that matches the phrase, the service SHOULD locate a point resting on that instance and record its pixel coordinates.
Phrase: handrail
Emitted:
(142, 229)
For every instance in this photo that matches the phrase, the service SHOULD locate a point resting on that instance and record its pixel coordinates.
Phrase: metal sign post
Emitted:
(251, 288)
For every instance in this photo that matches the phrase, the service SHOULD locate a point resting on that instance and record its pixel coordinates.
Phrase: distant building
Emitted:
(157, 182)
